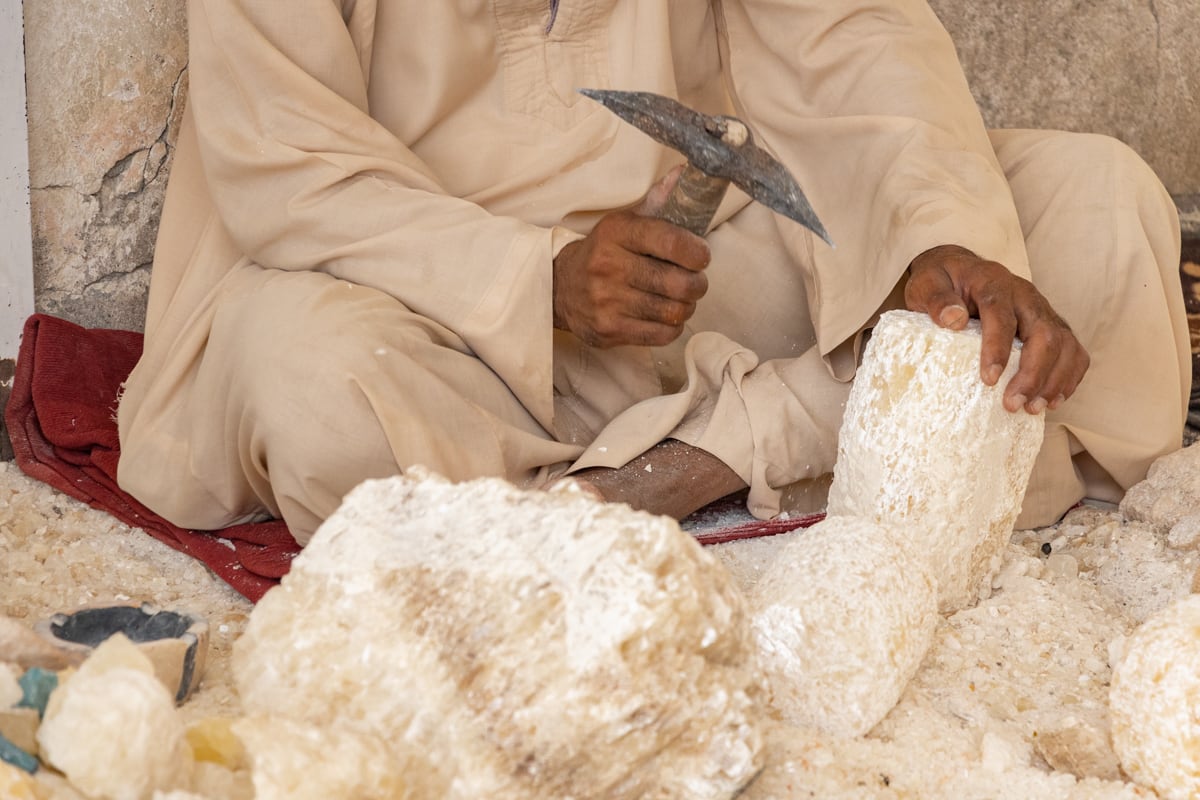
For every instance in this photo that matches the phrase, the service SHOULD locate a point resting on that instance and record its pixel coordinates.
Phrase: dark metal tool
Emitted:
(720, 151)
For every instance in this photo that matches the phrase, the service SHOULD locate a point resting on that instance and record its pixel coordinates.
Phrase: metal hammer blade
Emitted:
(720, 151)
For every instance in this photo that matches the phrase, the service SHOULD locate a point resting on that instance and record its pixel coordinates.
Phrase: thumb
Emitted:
(656, 198)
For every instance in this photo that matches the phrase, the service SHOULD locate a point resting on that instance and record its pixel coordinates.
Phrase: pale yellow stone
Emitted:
(10, 689)
(843, 618)
(1153, 702)
(924, 441)
(212, 740)
(528, 644)
(15, 784)
(113, 729)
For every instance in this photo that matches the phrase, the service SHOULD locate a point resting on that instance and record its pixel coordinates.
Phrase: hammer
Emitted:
(720, 150)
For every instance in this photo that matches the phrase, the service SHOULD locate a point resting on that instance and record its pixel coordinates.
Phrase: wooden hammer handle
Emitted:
(694, 200)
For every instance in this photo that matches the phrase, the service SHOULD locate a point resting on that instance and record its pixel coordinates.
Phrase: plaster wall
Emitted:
(106, 81)
(16, 258)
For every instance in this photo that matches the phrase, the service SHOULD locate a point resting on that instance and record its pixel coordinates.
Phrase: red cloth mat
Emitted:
(61, 418)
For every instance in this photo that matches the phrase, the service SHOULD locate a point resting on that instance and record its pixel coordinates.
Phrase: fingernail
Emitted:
(1014, 402)
(992, 374)
(1037, 406)
(952, 315)
(1058, 401)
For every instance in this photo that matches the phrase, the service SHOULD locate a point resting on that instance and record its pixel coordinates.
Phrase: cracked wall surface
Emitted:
(106, 81)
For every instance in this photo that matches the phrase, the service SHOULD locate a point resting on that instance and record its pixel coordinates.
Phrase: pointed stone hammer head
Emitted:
(720, 151)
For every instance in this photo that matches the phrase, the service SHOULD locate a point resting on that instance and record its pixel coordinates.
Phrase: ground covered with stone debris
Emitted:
(1010, 702)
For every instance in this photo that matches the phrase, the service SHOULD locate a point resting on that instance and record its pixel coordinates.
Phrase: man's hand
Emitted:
(635, 279)
(951, 284)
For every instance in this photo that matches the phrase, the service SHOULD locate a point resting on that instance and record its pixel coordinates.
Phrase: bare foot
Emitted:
(671, 478)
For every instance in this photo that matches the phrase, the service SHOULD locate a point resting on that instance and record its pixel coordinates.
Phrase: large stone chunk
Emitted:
(533, 645)
(843, 619)
(1155, 720)
(1169, 498)
(926, 442)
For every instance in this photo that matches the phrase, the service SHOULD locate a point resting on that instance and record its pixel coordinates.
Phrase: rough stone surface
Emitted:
(843, 619)
(1155, 721)
(530, 644)
(293, 760)
(1126, 68)
(105, 82)
(926, 442)
(1169, 495)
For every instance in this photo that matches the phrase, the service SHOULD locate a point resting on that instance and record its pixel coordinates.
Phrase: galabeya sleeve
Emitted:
(303, 178)
(867, 104)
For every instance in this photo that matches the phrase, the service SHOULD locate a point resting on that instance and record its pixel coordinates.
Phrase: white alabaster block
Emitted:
(1153, 702)
(925, 442)
(843, 619)
(530, 644)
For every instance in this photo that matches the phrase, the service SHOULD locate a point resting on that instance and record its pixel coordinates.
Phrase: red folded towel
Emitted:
(61, 418)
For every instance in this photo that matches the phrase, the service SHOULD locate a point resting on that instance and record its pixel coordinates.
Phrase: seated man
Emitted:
(396, 234)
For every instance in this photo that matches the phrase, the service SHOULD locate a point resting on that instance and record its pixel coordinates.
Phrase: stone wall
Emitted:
(106, 79)
(1127, 68)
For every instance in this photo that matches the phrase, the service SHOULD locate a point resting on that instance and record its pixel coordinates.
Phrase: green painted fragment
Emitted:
(14, 755)
(37, 684)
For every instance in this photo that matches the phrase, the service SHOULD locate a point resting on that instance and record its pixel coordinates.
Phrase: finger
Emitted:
(1029, 387)
(1057, 387)
(933, 291)
(656, 198)
(659, 239)
(655, 308)
(1068, 377)
(668, 280)
(998, 323)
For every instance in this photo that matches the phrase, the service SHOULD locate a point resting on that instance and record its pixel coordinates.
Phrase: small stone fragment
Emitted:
(11, 754)
(925, 441)
(112, 727)
(1063, 566)
(15, 784)
(19, 726)
(213, 740)
(843, 619)
(1155, 719)
(1185, 533)
(10, 690)
(37, 685)
(526, 644)
(1080, 749)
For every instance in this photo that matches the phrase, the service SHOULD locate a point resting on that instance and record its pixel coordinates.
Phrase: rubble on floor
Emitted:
(1011, 701)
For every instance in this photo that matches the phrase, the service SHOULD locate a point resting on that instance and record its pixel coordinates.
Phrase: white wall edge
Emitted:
(16, 237)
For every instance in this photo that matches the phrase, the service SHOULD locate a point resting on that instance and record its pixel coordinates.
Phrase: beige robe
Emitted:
(353, 271)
